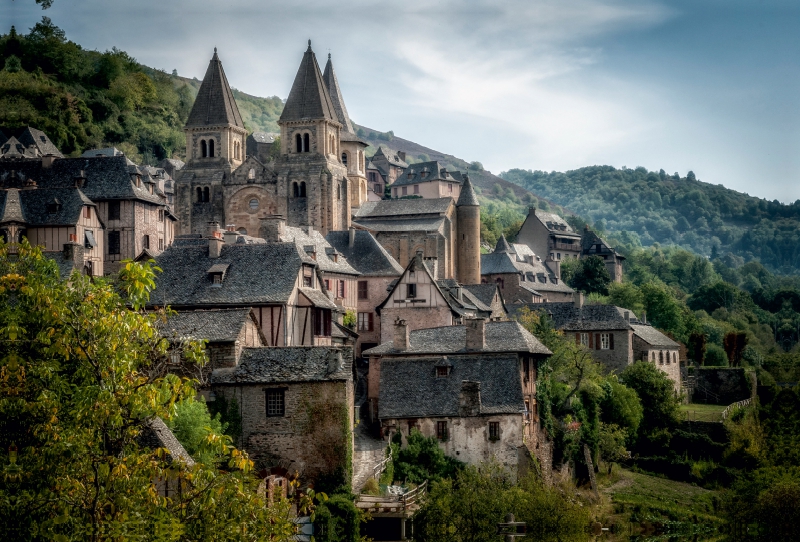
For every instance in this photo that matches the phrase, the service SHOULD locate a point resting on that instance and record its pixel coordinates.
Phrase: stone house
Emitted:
(549, 236)
(473, 387)
(281, 282)
(441, 228)
(296, 406)
(614, 336)
(427, 180)
(388, 164)
(424, 301)
(375, 182)
(593, 245)
(27, 144)
(378, 271)
(521, 275)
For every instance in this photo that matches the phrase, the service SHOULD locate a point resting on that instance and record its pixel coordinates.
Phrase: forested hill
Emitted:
(670, 209)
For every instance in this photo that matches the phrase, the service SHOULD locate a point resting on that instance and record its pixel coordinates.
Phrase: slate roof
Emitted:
(65, 266)
(156, 434)
(258, 274)
(506, 260)
(276, 365)
(106, 151)
(27, 143)
(507, 336)
(408, 224)
(652, 336)
(392, 157)
(410, 388)
(589, 242)
(484, 293)
(403, 207)
(568, 317)
(214, 103)
(367, 255)
(318, 298)
(323, 250)
(424, 172)
(309, 97)
(332, 83)
(467, 196)
(31, 206)
(14, 150)
(215, 326)
(503, 246)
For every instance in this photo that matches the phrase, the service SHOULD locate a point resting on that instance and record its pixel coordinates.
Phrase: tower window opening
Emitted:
(206, 194)
(199, 195)
(211, 148)
(303, 189)
(295, 189)
(306, 143)
(298, 142)
(344, 158)
(203, 148)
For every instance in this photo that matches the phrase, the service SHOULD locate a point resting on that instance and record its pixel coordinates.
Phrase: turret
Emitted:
(468, 230)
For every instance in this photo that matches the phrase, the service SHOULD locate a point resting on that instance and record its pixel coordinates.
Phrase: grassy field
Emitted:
(703, 413)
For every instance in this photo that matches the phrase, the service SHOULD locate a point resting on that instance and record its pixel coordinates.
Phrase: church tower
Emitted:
(215, 146)
(468, 230)
(352, 155)
(310, 171)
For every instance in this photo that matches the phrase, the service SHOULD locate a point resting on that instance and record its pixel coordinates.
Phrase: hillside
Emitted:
(670, 209)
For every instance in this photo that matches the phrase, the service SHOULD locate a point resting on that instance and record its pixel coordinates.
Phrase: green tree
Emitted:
(663, 309)
(715, 356)
(591, 276)
(660, 404)
(620, 406)
(423, 459)
(626, 295)
(192, 424)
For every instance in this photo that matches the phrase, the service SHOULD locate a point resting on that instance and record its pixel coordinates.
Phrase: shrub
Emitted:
(715, 356)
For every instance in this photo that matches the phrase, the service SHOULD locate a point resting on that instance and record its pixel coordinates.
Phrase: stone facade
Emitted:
(666, 358)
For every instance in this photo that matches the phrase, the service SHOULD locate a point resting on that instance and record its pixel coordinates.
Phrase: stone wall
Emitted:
(417, 318)
(730, 384)
(617, 358)
(376, 293)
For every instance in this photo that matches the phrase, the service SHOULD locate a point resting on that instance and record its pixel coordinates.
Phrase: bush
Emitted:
(422, 459)
(715, 356)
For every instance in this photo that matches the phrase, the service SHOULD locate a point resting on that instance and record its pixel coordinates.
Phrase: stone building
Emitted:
(473, 387)
(440, 228)
(593, 245)
(521, 275)
(428, 180)
(28, 144)
(378, 272)
(297, 408)
(424, 301)
(281, 282)
(614, 336)
(388, 166)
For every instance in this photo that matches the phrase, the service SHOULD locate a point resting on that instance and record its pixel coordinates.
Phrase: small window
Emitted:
(441, 372)
(306, 143)
(251, 174)
(203, 148)
(160, 244)
(494, 430)
(307, 281)
(411, 290)
(146, 241)
(89, 240)
(113, 210)
(113, 242)
(322, 322)
(254, 204)
(405, 190)
(416, 189)
(605, 341)
(365, 321)
(161, 215)
(211, 148)
(344, 158)
(363, 289)
(661, 358)
(328, 284)
(341, 291)
(276, 404)
(303, 189)
(585, 339)
(199, 195)
(87, 211)
(441, 430)
(206, 194)
(339, 192)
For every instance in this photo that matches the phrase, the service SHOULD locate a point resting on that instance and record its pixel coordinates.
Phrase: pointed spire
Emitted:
(468, 196)
(309, 98)
(336, 97)
(215, 103)
(502, 245)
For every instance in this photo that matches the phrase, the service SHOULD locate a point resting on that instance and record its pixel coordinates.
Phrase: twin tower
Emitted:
(317, 178)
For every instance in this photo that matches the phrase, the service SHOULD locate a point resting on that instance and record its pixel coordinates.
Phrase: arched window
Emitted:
(306, 143)
(298, 143)
(344, 158)
(203, 148)
(303, 189)
(675, 357)
(199, 195)
(243, 231)
(211, 148)
(295, 189)
(206, 194)
(661, 357)
(251, 174)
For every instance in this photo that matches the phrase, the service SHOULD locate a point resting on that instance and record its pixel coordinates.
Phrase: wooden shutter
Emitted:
(597, 341)
(611, 341)
(591, 343)
(369, 323)
(578, 339)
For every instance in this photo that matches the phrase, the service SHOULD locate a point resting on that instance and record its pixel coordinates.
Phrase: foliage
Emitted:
(715, 356)
(192, 424)
(349, 319)
(590, 276)
(77, 386)
(612, 443)
(621, 407)
(660, 405)
(337, 519)
(423, 459)
(228, 414)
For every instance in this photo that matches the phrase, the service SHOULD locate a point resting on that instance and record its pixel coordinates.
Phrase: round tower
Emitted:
(468, 231)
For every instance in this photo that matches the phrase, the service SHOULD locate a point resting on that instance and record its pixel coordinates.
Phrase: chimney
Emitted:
(532, 210)
(400, 335)
(577, 299)
(80, 179)
(335, 361)
(644, 317)
(73, 251)
(627, 316)
(272, 228)
(47, 160)
(469, 400)
(230, 235)
(402, 155)
(476, 334)
(352, 240)
(215, 241)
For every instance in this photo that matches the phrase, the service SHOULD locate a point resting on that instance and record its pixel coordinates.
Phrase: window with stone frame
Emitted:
(363, 289)
(276, 402)
(146, 241)
(160, 244)
(494, 430)
(365, 321)
(441, 430)
(605, 341)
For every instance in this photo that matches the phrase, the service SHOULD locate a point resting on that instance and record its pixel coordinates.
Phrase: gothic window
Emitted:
(298, 142)
(344, 158)
(211, 148)
(303, 189)
(661, 358)
(306, 143)
(206, 194)
(295, 189)
(203, 148)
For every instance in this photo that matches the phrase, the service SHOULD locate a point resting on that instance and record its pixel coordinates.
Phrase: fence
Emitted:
(378, 469)
(730, 408)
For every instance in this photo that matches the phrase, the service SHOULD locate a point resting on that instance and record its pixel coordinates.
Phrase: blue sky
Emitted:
(711, 86)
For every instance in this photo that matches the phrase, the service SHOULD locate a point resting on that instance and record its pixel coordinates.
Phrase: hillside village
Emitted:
(319, 276)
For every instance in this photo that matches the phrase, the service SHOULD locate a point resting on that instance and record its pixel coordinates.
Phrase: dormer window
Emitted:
(216, 273)
(442, 372)
(308, 276)
(54, 206)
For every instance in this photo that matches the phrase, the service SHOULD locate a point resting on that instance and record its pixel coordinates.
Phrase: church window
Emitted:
(339, 192)
(298, 140)
(344, 158)
(211, 148)
(254, 204)
(251, 174)
(295, 189)
(203, 148)
(206, 194)
(199, 194)
(306, 143)
(303, 189)
(661, 358)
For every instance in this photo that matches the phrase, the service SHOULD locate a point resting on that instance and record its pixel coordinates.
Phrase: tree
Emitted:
(591, 276)
(663, 310)
(423, 459)
(192, 424)
(697, 347)
(734, 344)
(660, 404)
(78, 383)
(715, 356)
(620, 406)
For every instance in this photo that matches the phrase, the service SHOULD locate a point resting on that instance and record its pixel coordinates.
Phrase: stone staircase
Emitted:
(367, 450)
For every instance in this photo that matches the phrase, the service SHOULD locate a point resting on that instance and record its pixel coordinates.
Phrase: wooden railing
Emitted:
(378, 469)
(730, 408)
(417, 493)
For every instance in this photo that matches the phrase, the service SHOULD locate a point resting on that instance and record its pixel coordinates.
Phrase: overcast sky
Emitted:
(711, 86)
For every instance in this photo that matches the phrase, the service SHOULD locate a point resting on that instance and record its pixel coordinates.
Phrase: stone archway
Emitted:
(245, 208)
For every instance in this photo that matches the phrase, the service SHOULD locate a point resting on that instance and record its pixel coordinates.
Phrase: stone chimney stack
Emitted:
(400, 335)
(469, 400)
(272, 228)
(352, 240)
(577, 299)
(401, 155)
(215, 241)
(644, 317)
(476, 334)
(230, 235)
(47, 160)
(627, 315)
(74, 251)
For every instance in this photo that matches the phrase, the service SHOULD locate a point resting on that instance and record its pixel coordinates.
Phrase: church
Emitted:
(317, 181)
